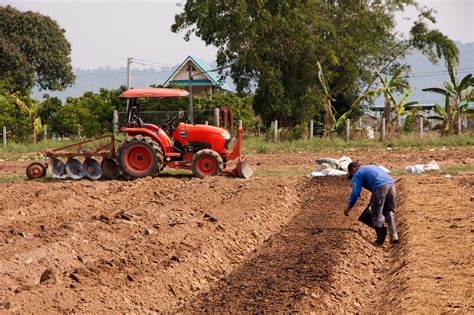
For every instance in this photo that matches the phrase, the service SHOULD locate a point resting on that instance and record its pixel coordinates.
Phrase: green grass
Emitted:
(11, 178)
(29, 151)
(286, 172)
(402, 142)
(458, 169)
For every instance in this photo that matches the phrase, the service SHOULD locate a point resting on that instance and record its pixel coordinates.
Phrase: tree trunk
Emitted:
(327, 119)
(386, 115)
(33, 129)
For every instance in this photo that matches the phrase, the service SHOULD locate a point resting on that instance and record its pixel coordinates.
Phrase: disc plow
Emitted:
(89, 151)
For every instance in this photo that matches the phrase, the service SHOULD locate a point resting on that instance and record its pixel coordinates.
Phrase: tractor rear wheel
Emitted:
(140, 157)
(207, 162)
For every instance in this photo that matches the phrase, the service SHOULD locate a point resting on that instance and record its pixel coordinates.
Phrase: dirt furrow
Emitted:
(321, 261)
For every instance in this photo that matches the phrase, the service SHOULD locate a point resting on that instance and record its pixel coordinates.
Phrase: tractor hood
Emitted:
(216, 138)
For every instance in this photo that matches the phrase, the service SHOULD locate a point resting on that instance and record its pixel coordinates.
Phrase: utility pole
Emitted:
(190, 87)
(129, 77)
(129, 72)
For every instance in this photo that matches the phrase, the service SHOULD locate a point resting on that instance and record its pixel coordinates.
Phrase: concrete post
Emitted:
(45, 133)
(421, 126)
(275, 131)
(78, 132)
(216, 117)
(311, 128)
(459, 125)
(240, 123)
(206, 123)
(348, 129)
(360, 122)
(382, 130)
(115, 121)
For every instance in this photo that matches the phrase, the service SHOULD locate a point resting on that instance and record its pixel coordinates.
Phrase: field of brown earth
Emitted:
(273, 243)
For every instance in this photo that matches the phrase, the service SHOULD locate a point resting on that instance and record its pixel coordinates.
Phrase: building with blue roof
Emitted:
(204, 78)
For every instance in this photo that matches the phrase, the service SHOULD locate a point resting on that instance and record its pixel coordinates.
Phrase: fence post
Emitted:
(240, 123)
(420, 125)
(206, 123)
(348, 129)
(275, 131)
(459, 125)
(360, 122)
(4, 132)
(311, 128)
(115, 121)
(78, 132)
(382, 130)
(45, 133)
(216, 116)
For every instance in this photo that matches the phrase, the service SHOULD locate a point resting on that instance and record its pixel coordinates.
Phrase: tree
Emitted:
(33, 49)
(457, 95)
(272, 48)
(30, 107)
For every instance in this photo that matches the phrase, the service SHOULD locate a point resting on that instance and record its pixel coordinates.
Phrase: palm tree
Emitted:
(457, 97)
(30, 107)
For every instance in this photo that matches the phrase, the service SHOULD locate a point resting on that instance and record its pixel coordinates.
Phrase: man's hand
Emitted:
(346, 211)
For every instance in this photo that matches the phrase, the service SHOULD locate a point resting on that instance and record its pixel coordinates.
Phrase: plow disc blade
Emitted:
(74, 169)
(92, 169)
(243, 169)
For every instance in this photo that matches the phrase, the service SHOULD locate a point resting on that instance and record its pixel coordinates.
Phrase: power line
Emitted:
(151, 62)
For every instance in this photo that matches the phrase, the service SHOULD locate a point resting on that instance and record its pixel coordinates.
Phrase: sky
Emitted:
(107, 32)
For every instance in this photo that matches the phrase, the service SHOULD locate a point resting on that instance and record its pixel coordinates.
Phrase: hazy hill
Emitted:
(423, 75)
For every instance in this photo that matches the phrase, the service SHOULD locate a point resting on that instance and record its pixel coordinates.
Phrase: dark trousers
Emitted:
(382, 202)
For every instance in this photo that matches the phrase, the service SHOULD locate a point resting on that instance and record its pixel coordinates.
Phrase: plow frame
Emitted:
(105, 150)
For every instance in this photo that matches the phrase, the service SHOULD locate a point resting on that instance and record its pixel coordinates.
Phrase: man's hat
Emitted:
(351, 168)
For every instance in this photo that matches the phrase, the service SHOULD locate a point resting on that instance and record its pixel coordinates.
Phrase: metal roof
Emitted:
(205, 69)
(423, 105)
(154, 93)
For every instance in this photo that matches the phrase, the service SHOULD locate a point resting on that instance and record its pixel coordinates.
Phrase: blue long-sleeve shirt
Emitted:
(369, 177)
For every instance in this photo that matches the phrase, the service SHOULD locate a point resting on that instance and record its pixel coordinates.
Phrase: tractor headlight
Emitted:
(226, 135)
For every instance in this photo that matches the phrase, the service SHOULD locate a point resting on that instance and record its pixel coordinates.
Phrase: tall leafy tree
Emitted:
(273, 47)
(33, 50)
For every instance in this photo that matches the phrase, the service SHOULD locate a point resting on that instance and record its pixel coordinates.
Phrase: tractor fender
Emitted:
(159, 136)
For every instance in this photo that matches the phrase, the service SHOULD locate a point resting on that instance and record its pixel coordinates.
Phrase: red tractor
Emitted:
(201, 148)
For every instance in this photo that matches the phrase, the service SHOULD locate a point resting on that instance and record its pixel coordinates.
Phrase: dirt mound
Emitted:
(320, 261)
(134, 246)
(225, 244)
(432, 268)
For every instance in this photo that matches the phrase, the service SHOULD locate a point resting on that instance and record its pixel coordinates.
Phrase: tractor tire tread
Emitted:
(210, 152)
(158, 152)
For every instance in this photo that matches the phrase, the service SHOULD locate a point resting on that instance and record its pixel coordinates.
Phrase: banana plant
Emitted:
(30, 107)
(457, 97)
(400, 108)
(329, 118)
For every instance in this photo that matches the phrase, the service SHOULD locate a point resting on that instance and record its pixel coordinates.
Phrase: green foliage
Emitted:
(33, 49)
(300, 131)
(409, 125)
(273, 47)
(457, 95)
(241, 106)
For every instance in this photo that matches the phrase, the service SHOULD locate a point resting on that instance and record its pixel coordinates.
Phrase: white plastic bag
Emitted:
(344, 162)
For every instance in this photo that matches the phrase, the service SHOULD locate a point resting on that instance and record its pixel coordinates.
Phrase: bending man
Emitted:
(382, 201)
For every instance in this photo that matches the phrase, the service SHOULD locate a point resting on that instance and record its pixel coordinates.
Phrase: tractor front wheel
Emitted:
(207, 162)
(140, 157)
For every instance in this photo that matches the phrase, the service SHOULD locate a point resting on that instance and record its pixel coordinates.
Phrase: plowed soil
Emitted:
(276, 244)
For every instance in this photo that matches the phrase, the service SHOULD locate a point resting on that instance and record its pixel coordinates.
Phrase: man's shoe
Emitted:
(381, 235)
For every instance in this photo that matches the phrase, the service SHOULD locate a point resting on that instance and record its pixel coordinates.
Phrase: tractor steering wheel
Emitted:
(169, 125)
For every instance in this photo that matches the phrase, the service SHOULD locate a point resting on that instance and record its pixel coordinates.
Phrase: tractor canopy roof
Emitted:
(154, 93)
